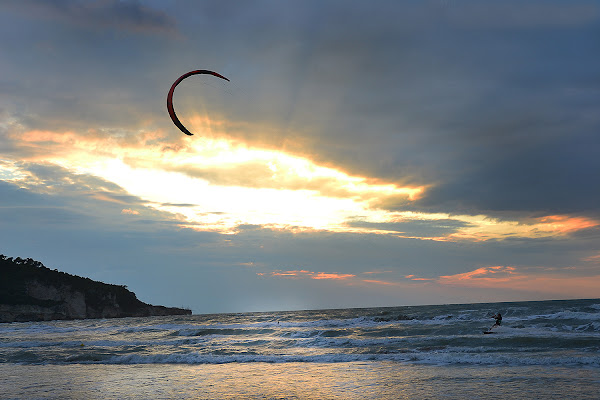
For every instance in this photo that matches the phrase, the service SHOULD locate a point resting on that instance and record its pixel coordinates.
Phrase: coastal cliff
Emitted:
(29, 291)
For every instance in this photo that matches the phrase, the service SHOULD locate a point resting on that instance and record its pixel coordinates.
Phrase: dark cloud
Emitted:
(495, 118)
(529, 157)
(84, 68)
(13, 195)
(178, 204)
(100, 14)
(437, 228)
(515, 14)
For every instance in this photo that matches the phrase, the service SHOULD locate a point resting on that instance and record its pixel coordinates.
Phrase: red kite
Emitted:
(170, 96)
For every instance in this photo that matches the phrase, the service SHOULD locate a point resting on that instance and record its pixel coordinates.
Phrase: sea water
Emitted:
(548, 349)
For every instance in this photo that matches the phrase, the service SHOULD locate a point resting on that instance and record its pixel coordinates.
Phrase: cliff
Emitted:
(31, 292)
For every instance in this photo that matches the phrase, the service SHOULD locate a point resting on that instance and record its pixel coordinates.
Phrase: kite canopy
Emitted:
(170, 96)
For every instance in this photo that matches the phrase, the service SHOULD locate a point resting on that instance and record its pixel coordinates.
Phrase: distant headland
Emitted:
(29, 291)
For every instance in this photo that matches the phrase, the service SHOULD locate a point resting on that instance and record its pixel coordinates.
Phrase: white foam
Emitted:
(438, 358)
(568, 315)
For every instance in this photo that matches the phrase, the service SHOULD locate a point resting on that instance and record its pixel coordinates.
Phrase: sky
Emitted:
(375, 153)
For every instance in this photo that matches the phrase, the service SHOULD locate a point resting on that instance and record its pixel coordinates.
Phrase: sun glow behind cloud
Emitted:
(217, 184)
(215, 207)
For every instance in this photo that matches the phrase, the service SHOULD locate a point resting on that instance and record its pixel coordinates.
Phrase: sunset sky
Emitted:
(374, 153)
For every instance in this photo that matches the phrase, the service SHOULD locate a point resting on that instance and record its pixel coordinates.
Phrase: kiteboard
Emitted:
(487, 332)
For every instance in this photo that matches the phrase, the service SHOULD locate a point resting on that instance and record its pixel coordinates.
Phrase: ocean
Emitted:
(542, 350)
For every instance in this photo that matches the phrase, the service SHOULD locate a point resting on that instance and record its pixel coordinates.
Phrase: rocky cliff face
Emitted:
(31, 292)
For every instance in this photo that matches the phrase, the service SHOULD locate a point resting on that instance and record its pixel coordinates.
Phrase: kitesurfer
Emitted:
(498, 318)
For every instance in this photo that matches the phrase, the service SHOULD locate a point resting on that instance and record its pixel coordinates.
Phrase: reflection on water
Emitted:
(358, 380)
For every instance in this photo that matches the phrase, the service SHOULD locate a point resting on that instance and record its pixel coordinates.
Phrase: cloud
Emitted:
(415, 228)
(203, 182)
(593, 259)
(379, 282)
(484, 228)
(46, 195)
(304, 274)
(101, 14)
(536, 280)
(292, 274)
(526, 16)
(99, 242)
(391, 99)
(481, 276)
(424, 151)
(336, 276)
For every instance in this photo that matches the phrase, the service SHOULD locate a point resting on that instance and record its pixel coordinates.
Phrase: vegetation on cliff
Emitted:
(53, 294)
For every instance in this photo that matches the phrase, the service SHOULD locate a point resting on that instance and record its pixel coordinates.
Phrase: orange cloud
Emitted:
(593, 259)
(129, 211)
(323, 275)
(104, 197)
(413, 278)
(564, 224)
(292, 274)
(46, 136)
(487, 274)
(481, 228)
(506, 277)
(379, 282)
(309, 274)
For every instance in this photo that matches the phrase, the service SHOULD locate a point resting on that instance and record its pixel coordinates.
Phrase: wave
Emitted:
(435, 358)
(542, 333)
(333, 326)
(566, 315)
